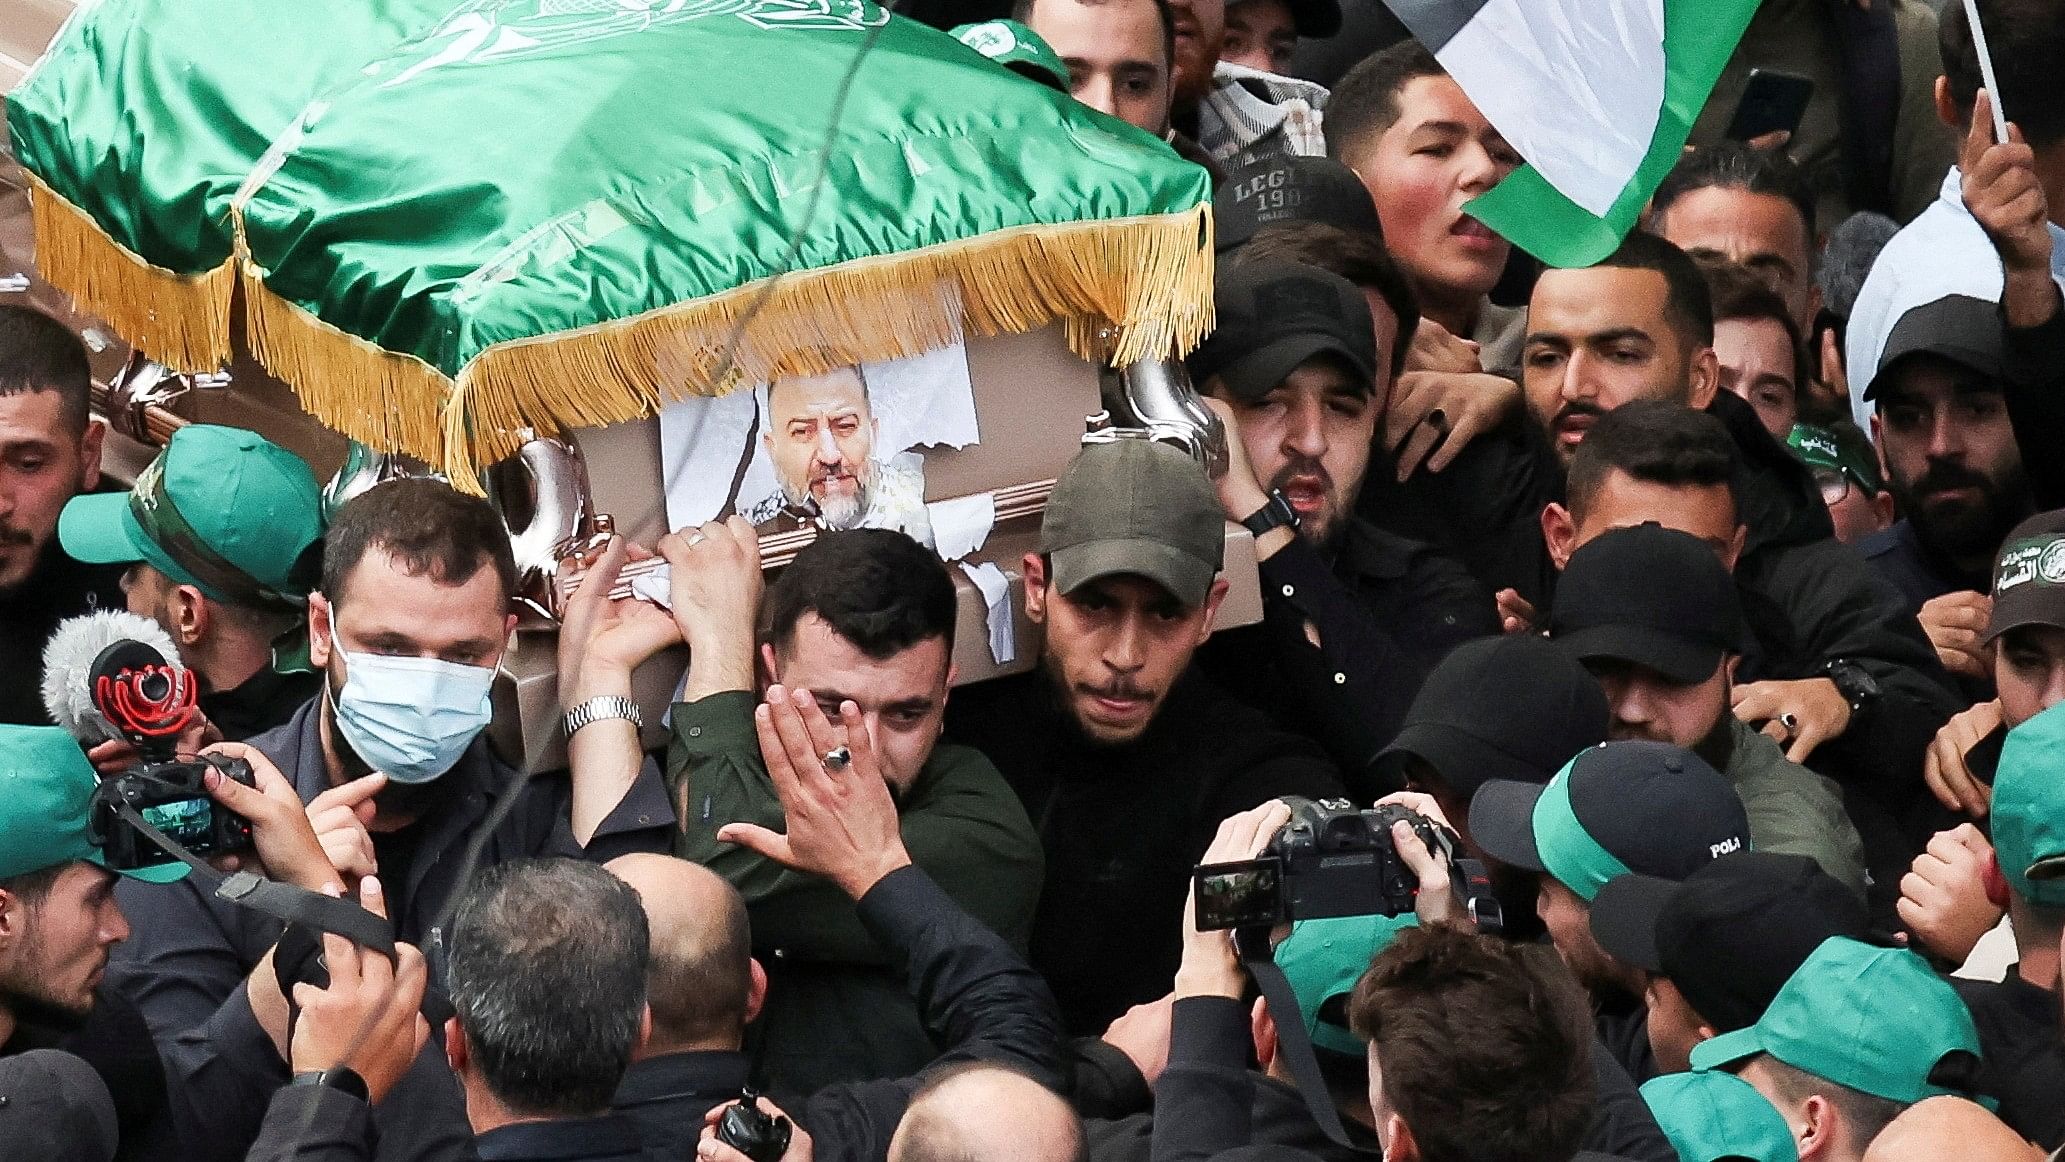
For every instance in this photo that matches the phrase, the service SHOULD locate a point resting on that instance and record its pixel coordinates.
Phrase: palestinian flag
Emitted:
(1597, 95)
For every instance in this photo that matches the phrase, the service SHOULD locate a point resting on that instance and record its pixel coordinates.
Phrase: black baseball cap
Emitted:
(1960, 328)
(2029, 576)
(1274, 316)
(1319, 18)
(1278, 187)
(1515, 707)
(1732, 933)
(1649, 595)
(1620, 808)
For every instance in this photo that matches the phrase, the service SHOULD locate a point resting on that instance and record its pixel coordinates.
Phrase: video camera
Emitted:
(150, 702)
(1334, 859)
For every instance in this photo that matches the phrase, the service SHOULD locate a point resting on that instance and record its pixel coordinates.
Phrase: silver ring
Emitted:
(1791, 722)
(837, 758)
(695, 539)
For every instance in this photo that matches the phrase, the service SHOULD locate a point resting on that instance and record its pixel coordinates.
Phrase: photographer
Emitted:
(60, 919)
(1452, 988)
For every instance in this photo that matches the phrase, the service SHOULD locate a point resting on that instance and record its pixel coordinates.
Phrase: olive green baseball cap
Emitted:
(1017, 48)
(1711, 1117)
(1877, 1020)
(2029, 809)
(46, 802)
(222, 509)
(1138, 508)
(1323, 960)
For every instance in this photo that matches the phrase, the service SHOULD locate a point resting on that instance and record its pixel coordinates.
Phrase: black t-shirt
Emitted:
(58, 588)
(1122, 826)
(114, 1040)
(2019, 1042)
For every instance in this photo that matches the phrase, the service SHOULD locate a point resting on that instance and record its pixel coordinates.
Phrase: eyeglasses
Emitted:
(1835, 485)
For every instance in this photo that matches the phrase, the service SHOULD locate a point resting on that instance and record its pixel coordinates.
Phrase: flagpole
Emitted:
(2000, 119)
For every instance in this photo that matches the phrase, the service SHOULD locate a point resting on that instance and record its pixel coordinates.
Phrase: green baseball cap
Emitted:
(1135, 507)
(1017, 48)
(223, 509)
(47, 787)
(1874, 1019)
(2029, 809)
(1323, 959)
(1710, 1117)
(1843, 450)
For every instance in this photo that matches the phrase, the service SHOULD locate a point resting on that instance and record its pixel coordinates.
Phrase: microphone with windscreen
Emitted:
(107, 644)
(114, 675)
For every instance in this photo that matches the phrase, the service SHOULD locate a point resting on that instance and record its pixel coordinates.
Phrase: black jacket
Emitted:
(58, 588)
(1484, 509)
(976, 996)
(1810, 600)
(1123, 825)
(2023, 1051)
(2036, 405)
(979, 998)
(1386, 609)
(188, 953)
(319, 1124)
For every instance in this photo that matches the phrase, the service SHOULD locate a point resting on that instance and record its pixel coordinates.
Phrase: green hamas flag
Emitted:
(1597, 95)
(450, 223)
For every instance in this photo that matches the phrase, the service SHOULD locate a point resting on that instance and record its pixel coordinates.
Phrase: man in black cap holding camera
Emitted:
(1354, 617)
(1718, 945)
(1654, 615)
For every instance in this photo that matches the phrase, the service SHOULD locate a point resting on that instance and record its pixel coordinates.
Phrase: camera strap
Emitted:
(339, 917)
(1292, 1042)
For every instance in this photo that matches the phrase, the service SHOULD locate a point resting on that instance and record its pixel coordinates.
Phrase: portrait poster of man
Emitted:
(837, 450)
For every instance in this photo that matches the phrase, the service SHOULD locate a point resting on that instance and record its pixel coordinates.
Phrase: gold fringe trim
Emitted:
(1124, 289)
(383, 399)
(180, 320)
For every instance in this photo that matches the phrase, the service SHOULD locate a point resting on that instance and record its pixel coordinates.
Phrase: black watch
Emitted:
(1277, 514)
(338, 1077)
(1854, 683)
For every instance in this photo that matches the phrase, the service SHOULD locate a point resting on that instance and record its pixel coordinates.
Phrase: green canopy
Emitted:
(448, 224)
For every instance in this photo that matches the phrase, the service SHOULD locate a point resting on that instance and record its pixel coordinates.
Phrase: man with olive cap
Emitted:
(1125, 757)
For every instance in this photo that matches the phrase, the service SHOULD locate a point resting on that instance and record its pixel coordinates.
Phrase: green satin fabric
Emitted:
(436, 198)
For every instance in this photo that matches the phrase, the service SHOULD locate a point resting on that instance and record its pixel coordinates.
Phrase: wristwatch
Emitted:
(1277, 514)
(342, 1078)
(1855, 684)
(598, 708)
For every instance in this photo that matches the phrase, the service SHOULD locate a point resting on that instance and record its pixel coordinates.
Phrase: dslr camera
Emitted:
(1335, 859)
(149, 702)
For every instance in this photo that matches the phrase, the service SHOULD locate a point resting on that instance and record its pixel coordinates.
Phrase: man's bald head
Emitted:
(987, 1113)
(1947, 1127)
(700, 979)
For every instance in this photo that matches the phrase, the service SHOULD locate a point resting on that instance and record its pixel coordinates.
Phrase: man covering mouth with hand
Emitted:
(1300, 369)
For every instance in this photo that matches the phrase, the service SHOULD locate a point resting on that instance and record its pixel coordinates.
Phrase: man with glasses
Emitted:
(1847, 472)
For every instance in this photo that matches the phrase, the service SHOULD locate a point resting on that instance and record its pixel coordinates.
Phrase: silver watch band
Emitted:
(598, 708)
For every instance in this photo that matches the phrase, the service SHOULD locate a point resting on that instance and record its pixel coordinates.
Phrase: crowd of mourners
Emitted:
(1709, 599)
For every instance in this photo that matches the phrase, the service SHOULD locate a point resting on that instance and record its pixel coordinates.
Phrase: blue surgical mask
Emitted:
(411, 718)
